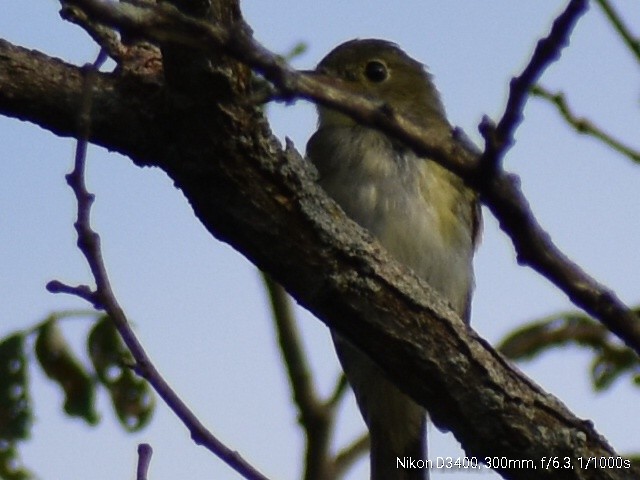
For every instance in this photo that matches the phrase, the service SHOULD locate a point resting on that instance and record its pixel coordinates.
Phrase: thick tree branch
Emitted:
(500, 191)
(264, 201)
(48, 92)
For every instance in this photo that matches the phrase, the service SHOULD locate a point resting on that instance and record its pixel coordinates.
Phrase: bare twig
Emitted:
(341, 387)
(502, 193)
(315, 416)
(346, 457)
(546, 52)
(295, 360)
(583, 125)
(620, 27)
(104, 298)
(82, 291)
(144, 459)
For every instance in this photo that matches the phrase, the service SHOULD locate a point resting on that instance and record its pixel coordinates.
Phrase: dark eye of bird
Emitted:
(376, 71)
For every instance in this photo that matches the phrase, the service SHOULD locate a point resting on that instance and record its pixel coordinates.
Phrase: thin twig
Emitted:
(502, 193)
(341, 387)
(295, 360)
(583, 125)
(620, 27)
(82, 291)
(547, 51)
(346, 457)
(144, 459)
(103, 296)
(316, 417)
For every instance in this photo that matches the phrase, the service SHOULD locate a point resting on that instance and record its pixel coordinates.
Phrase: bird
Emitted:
(422, 214)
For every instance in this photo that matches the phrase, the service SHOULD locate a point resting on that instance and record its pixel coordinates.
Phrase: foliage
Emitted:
(110, 369)
(611, 360)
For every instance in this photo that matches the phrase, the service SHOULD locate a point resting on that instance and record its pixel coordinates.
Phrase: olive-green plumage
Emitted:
(420, 212)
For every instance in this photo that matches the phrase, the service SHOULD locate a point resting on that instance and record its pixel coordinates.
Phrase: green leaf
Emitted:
(130, 395)
(10, 464)
(133, 401)
(558, 330)
(107, 351)
(611, 360)
(61, 365)
(610, 364)
(16, 416)
(297, 50)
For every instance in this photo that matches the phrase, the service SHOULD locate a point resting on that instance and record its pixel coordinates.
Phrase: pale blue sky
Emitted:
(198, 306)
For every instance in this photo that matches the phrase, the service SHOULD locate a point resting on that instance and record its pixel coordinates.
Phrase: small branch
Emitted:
(342, 386)
(144, 459)
(89, 245)
(546, 52)
(621, 28)
(295, 360)
(315, 417)
(583, 125)
(82, 291)
(346, 457)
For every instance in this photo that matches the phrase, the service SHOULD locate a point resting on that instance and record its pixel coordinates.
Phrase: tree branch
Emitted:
(316, 417)
(295, 360)
(346, 457)
(548, 49)
(501, 192)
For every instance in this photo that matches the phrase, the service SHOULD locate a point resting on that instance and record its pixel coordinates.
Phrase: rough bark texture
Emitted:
(263, 200)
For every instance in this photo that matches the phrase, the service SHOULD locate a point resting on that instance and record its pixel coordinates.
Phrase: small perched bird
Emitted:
(420, 212)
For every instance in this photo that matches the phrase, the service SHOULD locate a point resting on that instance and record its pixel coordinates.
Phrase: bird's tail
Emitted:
(396, 423)
(393, 462)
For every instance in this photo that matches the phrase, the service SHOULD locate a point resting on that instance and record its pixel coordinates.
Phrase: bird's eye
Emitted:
(376, 71)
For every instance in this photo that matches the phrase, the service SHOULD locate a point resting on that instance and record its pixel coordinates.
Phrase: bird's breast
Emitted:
(413, 206)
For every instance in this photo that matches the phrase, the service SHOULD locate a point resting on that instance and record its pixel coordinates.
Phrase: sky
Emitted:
(199, 307)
